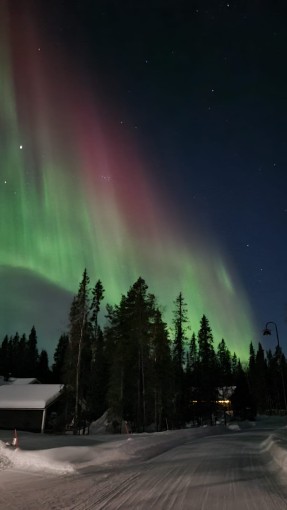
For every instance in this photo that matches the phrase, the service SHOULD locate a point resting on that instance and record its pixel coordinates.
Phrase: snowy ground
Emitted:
(244, 466)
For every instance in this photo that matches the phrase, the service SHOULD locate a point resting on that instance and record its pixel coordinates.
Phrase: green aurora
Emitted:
(74, 194)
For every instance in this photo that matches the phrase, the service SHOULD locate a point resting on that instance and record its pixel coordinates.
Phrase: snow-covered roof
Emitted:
(22, 380)
(225, 392)
(18, 380)
(28, 396)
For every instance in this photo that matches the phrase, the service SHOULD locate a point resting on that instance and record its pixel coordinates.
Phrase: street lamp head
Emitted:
(266, 331)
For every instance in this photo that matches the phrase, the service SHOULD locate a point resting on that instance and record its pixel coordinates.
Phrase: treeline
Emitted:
(133, 368)
(19, 357)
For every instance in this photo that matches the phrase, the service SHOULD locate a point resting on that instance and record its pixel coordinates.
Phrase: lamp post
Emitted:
(267, 331)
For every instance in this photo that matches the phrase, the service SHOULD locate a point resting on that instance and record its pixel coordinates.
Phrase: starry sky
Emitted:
(144, 140)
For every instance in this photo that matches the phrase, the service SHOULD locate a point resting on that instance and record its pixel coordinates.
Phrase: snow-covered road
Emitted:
(197, 469)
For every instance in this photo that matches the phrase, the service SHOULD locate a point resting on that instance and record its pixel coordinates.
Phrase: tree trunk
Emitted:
(78, 369)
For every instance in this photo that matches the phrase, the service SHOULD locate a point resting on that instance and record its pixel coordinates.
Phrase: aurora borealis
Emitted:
(76, 192)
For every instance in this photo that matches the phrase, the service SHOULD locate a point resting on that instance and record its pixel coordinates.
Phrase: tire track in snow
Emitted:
(107, 494)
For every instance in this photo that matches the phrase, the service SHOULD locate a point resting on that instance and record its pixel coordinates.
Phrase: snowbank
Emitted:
(5, 462)
(275, 444)
(277, 448)
(34, 461)
(70, 454)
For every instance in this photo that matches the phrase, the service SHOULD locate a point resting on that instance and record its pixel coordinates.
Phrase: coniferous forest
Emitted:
(141, 373)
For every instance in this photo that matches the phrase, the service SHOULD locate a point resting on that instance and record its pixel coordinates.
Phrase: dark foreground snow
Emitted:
(205, 468)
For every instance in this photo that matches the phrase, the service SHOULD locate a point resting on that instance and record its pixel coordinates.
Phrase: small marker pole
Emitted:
(15, 440)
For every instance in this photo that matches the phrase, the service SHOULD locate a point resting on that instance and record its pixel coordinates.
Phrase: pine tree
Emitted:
(96, 398)
(78, 344)
(191, 377)
(98, 384)
(180, 320)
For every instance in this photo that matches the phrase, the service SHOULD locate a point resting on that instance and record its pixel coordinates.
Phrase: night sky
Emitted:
(144, 140)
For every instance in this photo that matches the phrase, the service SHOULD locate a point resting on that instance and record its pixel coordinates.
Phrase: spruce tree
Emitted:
(191, 377)
(98, 295)
(32, 353)
(139, 309)
(234, 367)
(224, 365)
(251, 371)
(128, 337)
(276, 380)
(22, 358)
(43, 372)
(260, 380)
(58, 366)
(4, 357)
(242, 401)
(161, 382)
(121, 360)
(13, 346)
(207, 383)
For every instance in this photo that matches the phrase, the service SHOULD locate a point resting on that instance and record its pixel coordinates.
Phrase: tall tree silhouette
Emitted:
(224, 364)
(178, 355)
(43, 372)
(160, 383)
(60, 353)
(207, 381)
(78, 341)
(96, 398)
(130, 334)
(32, 352)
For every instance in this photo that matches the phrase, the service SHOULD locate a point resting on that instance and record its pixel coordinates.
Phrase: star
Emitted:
(21, 146)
